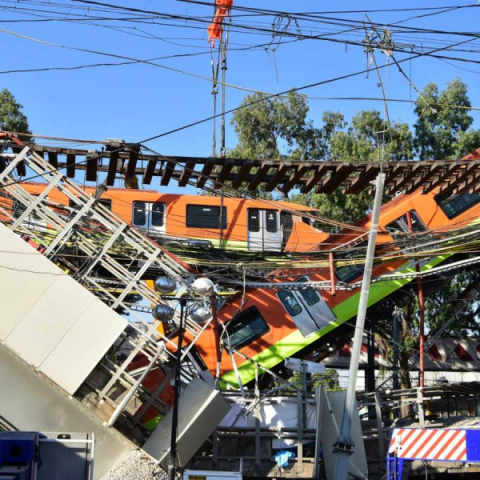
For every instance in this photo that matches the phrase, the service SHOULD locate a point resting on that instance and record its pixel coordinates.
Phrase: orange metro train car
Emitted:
(232, 223)
(275, 324)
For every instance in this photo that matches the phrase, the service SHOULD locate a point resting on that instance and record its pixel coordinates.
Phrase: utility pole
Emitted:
(396, 350)
(344, 446)
(421, 302)
(370, 370)
(172, 464)
(224, 46)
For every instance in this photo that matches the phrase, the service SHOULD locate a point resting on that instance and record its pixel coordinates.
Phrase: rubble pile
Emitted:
(136, 466)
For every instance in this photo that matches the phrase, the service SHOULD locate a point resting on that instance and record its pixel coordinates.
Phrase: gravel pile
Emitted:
(135, 466)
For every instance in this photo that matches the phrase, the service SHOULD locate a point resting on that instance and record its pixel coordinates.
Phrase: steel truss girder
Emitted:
(103, 237)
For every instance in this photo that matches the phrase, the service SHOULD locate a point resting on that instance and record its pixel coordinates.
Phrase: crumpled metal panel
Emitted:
(201, 409)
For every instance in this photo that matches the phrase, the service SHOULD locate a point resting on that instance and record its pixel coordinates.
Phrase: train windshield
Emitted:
(308, 293)
(289, 302)
(400, 225)
(245, 328)
(454, 205)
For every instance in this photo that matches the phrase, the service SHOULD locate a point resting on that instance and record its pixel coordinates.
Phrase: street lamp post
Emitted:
(202, 287)
(172, 467)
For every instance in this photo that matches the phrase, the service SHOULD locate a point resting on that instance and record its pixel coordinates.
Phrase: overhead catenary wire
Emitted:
(270, 96)
(176, 17)
(180, 17)
(82, 17)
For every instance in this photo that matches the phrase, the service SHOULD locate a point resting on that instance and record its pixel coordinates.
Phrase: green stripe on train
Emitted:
(233, 244)
(290, 345)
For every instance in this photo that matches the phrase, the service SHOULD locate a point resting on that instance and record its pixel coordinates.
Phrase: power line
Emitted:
(297, 36)
(293, 90)
(198, 122)
(328, 20)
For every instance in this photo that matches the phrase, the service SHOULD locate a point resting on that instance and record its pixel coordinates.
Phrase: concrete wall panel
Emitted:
(50, 320)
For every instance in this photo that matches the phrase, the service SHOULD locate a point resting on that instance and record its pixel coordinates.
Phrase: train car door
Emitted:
(264, 232)
(149, 215)
(315, 304)
(307, 308)
(301, 317)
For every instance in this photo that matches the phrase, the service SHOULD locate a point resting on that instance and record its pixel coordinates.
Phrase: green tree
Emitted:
(330, 380)
(11, 116)
(440, 307)
(367, 138)
(268, 127)
(443, 127)
(271, 129)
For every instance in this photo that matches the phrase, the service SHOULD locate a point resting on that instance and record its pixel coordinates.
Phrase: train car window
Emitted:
(206, 216)
(139, 214)
(400, 225)
(158, 211)
(106, 202)
(454, 205)
(308, 293)
(246, 327)
(271, 221)
(347, 273)
(289, 302)
(19, 208)
(253, 220)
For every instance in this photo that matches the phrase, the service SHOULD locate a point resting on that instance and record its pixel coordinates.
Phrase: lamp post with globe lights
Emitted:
(201, 287)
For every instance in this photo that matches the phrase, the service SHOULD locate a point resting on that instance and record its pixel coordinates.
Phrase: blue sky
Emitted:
(137, 101)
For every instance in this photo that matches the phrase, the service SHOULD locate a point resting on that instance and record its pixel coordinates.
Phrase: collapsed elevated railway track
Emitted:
(281, 303)
(116, 158)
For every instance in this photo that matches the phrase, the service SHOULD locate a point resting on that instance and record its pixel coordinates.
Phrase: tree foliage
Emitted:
(443, 127)
(271, 126)
(11, 116)
(330, 380)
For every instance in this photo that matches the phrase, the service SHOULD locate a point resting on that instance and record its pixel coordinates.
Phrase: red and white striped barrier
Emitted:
(429, 444)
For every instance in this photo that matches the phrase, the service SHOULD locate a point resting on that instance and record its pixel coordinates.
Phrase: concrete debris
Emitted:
(136, 466)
